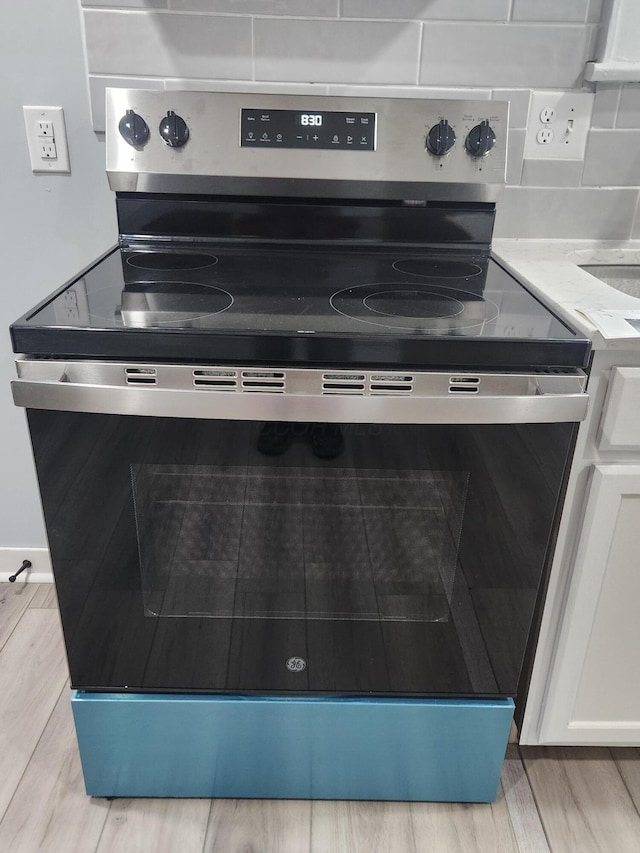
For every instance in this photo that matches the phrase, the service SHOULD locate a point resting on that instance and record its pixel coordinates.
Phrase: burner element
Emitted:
(428, 308)
(413, 304)
(171, 261)
(175, 303)
(434, 268)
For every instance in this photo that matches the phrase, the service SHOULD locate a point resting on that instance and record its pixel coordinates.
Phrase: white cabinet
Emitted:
(585, 687)
(594, 692)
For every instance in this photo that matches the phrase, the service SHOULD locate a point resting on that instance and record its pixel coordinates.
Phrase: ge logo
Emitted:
(296, 664)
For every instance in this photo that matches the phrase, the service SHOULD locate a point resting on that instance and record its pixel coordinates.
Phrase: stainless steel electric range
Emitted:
(302, 446)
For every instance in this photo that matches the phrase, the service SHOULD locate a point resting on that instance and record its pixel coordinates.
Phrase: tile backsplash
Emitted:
(500, 49)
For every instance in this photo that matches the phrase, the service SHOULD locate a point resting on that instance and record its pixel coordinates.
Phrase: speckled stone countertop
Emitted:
(551, 270)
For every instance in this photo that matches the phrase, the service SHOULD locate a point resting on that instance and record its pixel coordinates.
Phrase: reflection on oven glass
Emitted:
(326, 440)
(298, 542)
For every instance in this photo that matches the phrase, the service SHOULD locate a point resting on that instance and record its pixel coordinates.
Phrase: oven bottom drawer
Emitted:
(153, 745)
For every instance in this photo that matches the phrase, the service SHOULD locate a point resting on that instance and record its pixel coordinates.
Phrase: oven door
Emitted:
(298, 555)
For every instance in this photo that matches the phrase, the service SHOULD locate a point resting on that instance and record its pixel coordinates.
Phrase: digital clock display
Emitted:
(309, 119)
(326, 130)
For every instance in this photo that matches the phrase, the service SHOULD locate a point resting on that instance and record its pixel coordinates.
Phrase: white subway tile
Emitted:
(98, 84)
(515, 153)
(594, 13)
(518, 104)
(335, 51)
(127, 4)
(448, 10)
(293, 8)
(597, 214)
(552, 173)
(167, 45)
(629, 107)
(350, 91)
(249, 86)
(550, 10)
(605, 105)
(509, 55)
(635, 228)
(612, 159)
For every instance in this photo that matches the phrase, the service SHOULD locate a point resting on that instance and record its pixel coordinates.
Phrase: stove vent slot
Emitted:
(391, 383)
(140, 375)
(264, 381)
(216, 380)
(464, 384)
(343, 383)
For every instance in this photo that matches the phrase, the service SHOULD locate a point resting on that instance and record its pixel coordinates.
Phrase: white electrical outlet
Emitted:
(47, 139)
(558, 125)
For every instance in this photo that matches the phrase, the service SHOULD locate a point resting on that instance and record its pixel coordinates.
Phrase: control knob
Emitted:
(441, 138)
(133, 129)
(173, 129)
(480, 140)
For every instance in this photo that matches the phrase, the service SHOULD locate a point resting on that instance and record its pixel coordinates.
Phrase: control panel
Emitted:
(214, 142)
(303, 129)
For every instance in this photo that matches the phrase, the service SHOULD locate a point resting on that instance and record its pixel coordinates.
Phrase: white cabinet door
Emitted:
(593, 694)
(620, 427)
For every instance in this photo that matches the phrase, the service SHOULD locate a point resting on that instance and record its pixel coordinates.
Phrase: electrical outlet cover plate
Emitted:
(570, 123)
(39, 122)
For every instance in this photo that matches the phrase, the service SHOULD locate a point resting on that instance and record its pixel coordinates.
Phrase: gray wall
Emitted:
(50, 225)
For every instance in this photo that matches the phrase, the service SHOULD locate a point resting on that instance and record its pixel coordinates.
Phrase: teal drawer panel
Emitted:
(158, 745)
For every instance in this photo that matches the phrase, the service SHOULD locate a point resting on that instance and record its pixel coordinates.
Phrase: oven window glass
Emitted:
(298, 543)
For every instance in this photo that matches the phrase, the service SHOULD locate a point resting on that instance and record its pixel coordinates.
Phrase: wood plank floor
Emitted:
(551, 799)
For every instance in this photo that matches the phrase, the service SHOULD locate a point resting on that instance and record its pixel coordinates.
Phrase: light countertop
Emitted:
(550, 269)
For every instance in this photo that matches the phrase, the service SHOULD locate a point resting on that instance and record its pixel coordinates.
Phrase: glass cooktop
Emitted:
(324, 304)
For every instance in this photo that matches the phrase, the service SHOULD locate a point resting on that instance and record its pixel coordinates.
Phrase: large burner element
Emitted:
(416, 307)
(413, 304)
(171, 261)
(171, 303)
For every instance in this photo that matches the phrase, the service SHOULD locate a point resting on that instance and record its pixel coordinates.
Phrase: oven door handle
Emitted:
(536, 398)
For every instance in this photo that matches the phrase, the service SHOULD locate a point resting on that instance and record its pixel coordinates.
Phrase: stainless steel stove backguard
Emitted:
(399, 165)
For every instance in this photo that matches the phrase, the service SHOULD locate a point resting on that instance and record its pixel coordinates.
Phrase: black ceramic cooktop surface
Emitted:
(268, 303)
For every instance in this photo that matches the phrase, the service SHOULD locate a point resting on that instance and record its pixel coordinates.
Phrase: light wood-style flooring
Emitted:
(551, 799)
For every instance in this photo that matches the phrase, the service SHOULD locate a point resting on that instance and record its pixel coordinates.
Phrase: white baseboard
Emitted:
(40, 571)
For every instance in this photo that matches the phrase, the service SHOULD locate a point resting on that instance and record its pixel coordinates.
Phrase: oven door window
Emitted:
(314, 542)
(229, 556)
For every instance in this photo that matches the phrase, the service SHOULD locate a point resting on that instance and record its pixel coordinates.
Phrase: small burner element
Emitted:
(171, 261)
(433, 268)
